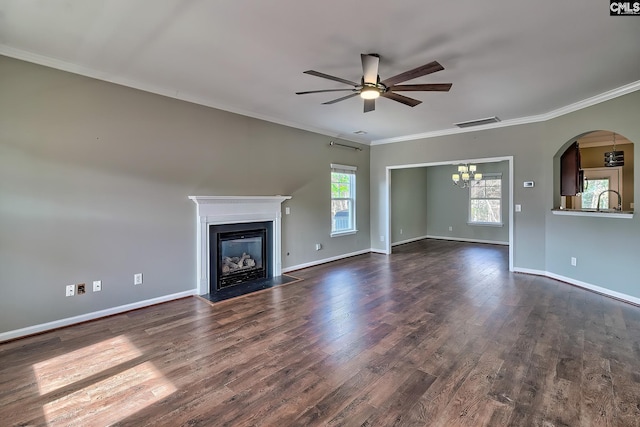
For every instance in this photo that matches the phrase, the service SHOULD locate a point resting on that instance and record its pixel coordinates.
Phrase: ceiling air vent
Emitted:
(493, 119)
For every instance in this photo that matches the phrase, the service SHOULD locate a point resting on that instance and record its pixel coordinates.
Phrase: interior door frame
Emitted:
(387, 220)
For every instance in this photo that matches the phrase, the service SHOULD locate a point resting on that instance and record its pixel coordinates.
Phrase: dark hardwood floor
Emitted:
(437, 334)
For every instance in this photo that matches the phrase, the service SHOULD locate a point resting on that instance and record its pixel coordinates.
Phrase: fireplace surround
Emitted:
(236, 211)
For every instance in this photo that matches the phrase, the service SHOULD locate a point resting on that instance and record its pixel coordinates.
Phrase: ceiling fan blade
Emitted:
(325, 90)
(369, 105)
(327, 76)
(370, 65)
(423, 70)
(340, 99)
(435, 87)
(402, 99)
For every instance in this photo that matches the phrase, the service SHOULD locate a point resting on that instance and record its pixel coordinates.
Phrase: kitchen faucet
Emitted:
(617, 208)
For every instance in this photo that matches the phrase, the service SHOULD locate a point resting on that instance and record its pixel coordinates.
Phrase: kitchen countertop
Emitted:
(603, 213)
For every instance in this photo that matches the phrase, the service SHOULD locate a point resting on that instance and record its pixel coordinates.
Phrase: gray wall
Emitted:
(449, 206)
(523, 142)
(408, 204)
(606, 248)
(424, 202)
(94, 179)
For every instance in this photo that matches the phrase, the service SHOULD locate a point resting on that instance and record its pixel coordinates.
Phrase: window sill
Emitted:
(343, 233)
(486, 224)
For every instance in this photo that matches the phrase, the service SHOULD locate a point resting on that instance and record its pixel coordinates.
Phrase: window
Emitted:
(485, 200)
(594, 188)
(343, 199)
(596, 182)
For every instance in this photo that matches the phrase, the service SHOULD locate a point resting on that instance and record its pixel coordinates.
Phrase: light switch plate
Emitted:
(70, 290)
(518, 208)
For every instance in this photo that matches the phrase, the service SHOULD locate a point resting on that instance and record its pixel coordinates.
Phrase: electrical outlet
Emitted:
(318, 246)
(382, 237)
(97, 285)
(450, 228)
(401, 231)
(137, 279)
(287, 210)
(70, 290)
(518, 208)
(81, 289)
(574, 261)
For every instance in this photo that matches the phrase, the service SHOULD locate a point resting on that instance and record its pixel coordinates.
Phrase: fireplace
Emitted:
(243, 214)
(239, 254)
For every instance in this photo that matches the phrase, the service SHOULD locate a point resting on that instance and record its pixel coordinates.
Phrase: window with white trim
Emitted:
(485, 200)
(343, 199)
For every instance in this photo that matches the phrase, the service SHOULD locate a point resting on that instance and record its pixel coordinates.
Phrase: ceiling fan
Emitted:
(370, 86)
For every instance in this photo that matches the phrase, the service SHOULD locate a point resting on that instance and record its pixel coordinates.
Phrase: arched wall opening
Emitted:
(597, 177)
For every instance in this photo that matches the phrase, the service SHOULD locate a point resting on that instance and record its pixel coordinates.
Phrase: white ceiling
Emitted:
(514, 59)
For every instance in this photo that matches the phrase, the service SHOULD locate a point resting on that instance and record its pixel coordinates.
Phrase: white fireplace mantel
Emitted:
(215, 210)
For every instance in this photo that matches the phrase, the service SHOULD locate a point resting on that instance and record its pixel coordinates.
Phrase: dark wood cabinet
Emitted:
(571, 176)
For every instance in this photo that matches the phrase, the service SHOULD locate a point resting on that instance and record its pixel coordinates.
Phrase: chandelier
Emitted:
(466, 174)
(614, 158)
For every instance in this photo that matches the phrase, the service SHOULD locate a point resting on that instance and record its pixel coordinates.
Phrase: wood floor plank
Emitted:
(439, 333)
(469, 404)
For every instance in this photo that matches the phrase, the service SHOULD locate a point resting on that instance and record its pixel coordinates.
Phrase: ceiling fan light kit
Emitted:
(369, 92)
(370, 86)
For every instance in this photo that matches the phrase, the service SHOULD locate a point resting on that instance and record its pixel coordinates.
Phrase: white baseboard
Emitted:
(461, 239)
(324, 261)
(18, 333)
(414, 239)
(530, 271)
(36, 329)
(378, 251)
(604, 291)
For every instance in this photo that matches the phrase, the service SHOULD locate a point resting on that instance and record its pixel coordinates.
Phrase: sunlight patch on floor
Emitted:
(77, 389)
(69, 368)
(110, 400)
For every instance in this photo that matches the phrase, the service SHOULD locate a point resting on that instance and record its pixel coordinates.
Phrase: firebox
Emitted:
(239, 254)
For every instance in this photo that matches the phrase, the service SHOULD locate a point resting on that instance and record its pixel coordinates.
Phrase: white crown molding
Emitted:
(454, 131)
(170, 93)
(606, 96)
